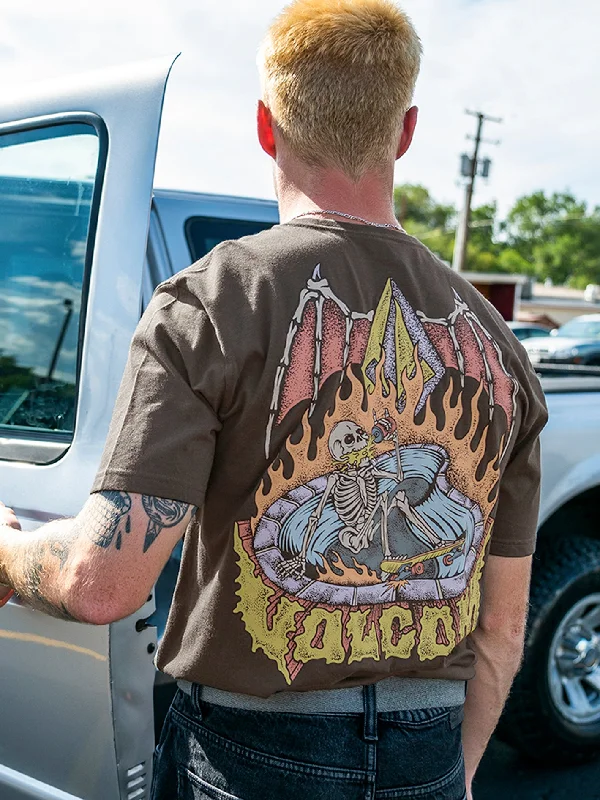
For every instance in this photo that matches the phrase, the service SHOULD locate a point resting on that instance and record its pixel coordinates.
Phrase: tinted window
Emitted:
(520, 333)
(204, 233)
(46, 187)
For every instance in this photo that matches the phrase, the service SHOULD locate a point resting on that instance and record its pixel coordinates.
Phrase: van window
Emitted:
(47, 180)
(204, 233)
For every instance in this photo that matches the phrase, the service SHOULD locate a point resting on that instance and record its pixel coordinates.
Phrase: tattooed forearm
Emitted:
(31, 576)
(32, 591)
(162, 514)
(58, 571)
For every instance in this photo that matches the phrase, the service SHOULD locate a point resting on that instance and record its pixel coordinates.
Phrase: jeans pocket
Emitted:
(192, 787)
(450, 786)
(420, 754)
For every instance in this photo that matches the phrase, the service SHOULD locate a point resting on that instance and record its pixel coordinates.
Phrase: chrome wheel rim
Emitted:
(574, 663)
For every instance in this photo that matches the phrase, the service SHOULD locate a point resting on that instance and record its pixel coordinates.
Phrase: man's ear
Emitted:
(408, 130)
(264, 127)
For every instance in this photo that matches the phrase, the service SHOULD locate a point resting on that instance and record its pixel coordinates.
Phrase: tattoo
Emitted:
(106, 521)
(61, 551)
(162, 514)
(110, 518)
(33, 571)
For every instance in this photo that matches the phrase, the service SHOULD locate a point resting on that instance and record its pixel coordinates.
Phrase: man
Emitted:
(344, 431)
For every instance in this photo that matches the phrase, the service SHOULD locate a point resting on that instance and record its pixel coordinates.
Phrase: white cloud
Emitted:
(22, 301)
(533, 62)
(54, 290)
(41, 318)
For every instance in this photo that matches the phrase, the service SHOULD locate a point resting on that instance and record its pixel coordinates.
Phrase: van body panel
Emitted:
(175, 208)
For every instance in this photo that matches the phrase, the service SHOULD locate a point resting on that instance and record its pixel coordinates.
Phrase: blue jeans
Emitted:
(210, 752)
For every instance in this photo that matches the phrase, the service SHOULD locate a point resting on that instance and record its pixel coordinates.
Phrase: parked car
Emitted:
(528, 330)
(83, 243)
(576, 342)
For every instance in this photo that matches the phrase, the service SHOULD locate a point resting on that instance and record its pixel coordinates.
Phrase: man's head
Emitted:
(338, 78)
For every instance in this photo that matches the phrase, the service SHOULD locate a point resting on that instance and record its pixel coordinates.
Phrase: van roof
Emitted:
(182, 194)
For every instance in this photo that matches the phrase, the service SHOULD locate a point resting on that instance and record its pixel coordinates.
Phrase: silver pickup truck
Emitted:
(83, 242)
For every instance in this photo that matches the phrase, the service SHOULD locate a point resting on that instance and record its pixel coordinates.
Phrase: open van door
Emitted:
(76, 173)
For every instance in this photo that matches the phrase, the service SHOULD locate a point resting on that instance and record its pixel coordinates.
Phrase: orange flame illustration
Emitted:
(335, 571)
(360, 406)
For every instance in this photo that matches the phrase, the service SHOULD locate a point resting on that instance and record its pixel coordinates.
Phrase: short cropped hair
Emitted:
(338, 77)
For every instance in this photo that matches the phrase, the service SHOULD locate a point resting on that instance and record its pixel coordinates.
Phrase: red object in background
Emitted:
(5, 598)
(502, 296)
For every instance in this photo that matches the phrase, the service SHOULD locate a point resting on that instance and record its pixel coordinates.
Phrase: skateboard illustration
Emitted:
(414, 566)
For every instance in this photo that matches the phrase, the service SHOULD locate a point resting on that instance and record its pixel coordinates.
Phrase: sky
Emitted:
(534, 63)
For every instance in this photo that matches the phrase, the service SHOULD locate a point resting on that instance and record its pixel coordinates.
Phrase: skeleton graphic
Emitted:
(353, 490)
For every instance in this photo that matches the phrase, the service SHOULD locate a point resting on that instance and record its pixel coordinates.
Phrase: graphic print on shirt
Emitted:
(372, 522)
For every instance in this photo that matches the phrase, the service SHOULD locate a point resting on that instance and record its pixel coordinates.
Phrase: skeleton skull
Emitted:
(345, 438)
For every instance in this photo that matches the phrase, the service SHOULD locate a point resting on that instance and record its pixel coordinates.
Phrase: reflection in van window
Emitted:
(204, 233)
(46, 187)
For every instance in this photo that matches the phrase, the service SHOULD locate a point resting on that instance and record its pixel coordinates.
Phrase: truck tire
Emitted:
(553, 712)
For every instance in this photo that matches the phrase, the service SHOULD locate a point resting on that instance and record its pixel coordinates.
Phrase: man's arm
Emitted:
(98, 567)
(498, 641)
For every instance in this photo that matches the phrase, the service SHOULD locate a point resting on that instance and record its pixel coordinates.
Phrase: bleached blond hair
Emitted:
(338, 77)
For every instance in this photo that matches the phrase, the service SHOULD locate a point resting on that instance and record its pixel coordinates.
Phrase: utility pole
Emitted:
(469, 170)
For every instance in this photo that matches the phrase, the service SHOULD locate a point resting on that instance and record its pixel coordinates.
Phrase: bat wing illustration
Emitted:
(325, 336)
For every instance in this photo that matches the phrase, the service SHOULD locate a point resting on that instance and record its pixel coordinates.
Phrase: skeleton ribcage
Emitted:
(355, 496)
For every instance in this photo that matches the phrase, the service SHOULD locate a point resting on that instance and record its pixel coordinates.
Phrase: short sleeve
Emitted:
(515, 525)
(163, 431)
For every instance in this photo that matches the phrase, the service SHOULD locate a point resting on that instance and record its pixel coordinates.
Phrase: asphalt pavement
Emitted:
(503, 775)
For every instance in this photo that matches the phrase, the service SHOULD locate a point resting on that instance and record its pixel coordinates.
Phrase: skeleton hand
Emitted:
(292, 568)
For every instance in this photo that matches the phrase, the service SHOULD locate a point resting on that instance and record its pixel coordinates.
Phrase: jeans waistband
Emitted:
(392, 694)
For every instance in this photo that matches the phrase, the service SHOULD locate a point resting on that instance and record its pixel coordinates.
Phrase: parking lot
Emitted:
(504, 775)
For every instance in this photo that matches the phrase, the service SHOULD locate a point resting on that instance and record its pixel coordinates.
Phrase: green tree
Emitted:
(431, 222)
(482, 227)
(14, 377)
(557, 236)
(435, 225)
(510, 260)
(413, 203)
(544, 235)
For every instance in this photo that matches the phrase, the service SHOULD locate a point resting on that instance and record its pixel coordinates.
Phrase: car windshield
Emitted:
(581, 329)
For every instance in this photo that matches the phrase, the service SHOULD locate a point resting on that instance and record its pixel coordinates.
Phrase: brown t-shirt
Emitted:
(358, 428)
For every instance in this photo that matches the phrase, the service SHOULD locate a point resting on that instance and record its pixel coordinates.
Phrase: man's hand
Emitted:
(8, 517)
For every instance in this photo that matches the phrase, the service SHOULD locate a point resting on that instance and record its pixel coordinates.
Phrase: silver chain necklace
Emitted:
(397, 227)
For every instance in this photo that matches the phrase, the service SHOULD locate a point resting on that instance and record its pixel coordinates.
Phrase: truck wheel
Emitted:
(553, 713)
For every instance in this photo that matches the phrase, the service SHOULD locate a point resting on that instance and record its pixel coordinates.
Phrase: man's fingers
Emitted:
(8, 517)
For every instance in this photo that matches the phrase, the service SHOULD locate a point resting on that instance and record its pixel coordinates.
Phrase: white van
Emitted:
(83, 243)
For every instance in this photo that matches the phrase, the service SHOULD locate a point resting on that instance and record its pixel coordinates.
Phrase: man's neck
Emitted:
(300, 190)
